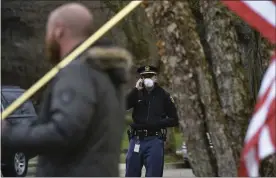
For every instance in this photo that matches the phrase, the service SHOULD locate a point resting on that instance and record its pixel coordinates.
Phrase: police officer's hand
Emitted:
(139, 84)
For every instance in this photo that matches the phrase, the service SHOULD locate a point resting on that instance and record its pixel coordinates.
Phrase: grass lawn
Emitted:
(168, 158)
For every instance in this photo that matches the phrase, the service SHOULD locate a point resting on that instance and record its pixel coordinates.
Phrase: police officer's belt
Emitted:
(146, 133)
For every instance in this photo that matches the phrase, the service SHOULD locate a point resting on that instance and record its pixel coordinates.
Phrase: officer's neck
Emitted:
(149, 89)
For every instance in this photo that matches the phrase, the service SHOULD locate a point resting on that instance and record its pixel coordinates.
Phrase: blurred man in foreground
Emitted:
(81, 121)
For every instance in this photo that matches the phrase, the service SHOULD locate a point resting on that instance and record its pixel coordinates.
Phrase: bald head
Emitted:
(74, 17)
(67, 26)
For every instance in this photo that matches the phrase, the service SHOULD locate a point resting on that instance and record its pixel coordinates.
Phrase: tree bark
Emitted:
(230, 77)
(140, 38)
(255, 54)
(268, 166)
(192, 85)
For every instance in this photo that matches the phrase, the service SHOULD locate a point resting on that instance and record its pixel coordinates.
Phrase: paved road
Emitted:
(173, 173)
(167, 172)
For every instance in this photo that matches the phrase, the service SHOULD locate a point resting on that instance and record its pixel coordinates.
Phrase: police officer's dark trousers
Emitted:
(148, 151)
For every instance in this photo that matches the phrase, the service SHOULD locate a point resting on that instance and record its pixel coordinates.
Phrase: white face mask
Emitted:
(148, 82)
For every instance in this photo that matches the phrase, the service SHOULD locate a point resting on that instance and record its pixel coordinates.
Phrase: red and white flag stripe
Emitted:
(259, 14)
(260, 140)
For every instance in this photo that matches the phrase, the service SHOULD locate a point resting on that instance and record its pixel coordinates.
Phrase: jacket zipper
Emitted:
(148, 112)
(149, 109)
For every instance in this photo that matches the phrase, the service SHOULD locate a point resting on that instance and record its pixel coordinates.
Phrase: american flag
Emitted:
(260, 140)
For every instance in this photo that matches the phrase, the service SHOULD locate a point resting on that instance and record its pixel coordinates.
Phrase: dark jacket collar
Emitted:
(100, 43)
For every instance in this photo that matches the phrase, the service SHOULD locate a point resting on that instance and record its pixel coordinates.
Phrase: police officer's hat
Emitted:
(147, 70)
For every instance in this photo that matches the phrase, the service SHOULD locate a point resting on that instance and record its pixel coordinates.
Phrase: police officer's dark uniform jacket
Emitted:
(80, 125)
(152, 110)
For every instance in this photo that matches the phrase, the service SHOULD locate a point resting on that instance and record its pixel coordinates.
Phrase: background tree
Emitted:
(192, 84)
(220, 102)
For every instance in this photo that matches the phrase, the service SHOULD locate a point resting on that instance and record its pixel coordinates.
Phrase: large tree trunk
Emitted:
(227, 65)
(235, 45)
(193, 86)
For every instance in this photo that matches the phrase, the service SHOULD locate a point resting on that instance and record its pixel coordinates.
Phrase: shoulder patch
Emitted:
(172, 99)
(67, 96)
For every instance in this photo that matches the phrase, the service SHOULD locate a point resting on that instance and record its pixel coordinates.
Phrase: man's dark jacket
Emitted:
(81, 121)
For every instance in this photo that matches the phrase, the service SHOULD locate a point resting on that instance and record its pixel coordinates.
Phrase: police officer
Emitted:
(153, 112)
(80, 124)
